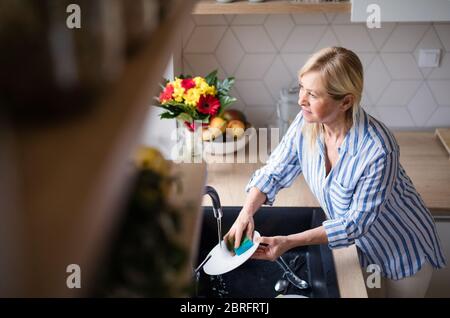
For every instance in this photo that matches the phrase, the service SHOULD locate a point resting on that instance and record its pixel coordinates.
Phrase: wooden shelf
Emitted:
(71, 177)
(268, 7)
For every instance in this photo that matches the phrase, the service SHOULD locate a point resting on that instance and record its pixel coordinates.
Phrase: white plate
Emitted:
(218, 147)
(223, 261)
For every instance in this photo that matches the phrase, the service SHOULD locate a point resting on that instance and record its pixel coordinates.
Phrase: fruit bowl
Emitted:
(226, 144)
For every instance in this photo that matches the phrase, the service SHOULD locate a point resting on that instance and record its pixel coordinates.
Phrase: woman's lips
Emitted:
(306, 111)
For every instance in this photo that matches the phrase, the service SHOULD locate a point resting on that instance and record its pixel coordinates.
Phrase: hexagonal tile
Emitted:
(328, 39)
(254, 66)
(303, 38)
(365, 100)
(310, 18)
(366, 59)
(401, 65)
(187, 69)
(258, 116)
(443, 71)
(188, 28)
(229, 18)
(395, 117)
(239, 104)
(379, 36)
(429, 41)
(398, 93)
(440, 91)
(277, 77)
(342, 18)
(440, 118)
(254, 39)
(405, 37)
(254, 93)
(422, 105)
(229, 52)
(248, 19)
(203, 64)
(295, 62)
(197, 43)
(209, 19)
(376, 80)
(278, 27)
(443, 31)
(354, 37)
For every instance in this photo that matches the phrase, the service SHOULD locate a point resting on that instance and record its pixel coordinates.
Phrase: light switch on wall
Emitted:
(429, 57)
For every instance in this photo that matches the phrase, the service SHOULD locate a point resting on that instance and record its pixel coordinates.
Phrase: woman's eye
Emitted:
(312, 95)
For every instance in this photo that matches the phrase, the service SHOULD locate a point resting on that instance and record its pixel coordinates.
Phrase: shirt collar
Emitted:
(355, 136)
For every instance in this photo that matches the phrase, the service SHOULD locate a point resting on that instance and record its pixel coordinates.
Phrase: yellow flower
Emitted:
(178, 90)
(203, 87)
(211, 90)
(192, 96)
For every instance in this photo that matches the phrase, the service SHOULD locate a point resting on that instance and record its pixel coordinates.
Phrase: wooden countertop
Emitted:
(422, 156)
(443, 135)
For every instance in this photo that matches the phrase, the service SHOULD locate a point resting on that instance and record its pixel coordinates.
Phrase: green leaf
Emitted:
(225, 86)
(167, 115)
(184, 117)
(211, 78)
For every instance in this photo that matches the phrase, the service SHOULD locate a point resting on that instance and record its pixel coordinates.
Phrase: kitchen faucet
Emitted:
(217, 210)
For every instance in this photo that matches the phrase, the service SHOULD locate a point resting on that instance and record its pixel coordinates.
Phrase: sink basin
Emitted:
(257, 278)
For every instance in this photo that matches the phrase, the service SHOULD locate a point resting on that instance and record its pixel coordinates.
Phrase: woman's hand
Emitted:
(244, 224)
(270, 248)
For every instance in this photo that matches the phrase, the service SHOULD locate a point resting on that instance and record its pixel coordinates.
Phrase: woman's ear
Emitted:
(347, 102)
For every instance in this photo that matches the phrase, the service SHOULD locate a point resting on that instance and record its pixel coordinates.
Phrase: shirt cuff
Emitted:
(264, 184)
(336, 233)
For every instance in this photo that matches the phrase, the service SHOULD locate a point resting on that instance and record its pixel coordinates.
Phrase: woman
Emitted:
(350, 161)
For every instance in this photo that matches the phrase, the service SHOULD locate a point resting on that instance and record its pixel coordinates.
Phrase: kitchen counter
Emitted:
(421, 154)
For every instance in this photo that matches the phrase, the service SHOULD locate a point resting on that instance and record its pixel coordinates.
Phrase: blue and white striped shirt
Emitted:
(367, 196)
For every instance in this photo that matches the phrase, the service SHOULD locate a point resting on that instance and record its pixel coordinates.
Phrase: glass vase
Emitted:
(190, 140)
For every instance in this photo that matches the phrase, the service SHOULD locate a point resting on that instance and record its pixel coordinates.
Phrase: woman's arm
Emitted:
(274, 246)
(244, 222)
(283, 166)
(255, 198)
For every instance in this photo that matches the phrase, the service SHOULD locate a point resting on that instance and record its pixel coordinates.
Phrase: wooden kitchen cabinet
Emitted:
(64, 183)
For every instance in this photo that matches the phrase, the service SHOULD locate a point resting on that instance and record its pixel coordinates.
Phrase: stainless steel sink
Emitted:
(257, 278)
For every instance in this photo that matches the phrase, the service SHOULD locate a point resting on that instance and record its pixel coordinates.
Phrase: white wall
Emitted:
(264, 53)
(158, 132)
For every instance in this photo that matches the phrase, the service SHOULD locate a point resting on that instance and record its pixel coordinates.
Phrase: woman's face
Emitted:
(317, 105)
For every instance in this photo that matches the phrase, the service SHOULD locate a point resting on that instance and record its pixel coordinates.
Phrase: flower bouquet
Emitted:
(194, 102)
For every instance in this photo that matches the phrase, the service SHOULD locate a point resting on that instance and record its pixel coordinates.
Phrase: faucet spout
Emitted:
(217, 207)
(217, 210)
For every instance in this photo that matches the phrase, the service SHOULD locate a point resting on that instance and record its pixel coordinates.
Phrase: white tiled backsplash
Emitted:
(264, 53)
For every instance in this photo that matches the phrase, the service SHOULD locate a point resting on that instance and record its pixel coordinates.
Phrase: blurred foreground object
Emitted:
(146, 260)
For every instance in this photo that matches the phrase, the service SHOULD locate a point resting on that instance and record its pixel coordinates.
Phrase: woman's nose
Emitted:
(302, 100)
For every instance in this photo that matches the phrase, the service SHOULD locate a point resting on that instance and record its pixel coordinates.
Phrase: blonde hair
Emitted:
(341, 72)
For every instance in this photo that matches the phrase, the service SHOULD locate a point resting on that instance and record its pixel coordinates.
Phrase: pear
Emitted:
(236, 129)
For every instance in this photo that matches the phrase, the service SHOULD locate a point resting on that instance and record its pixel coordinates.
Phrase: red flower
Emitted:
(166, 94)
(187, 83)
(192, 126)
(208, 105)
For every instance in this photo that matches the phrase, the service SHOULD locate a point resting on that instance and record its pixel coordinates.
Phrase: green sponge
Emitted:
(246, 243)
